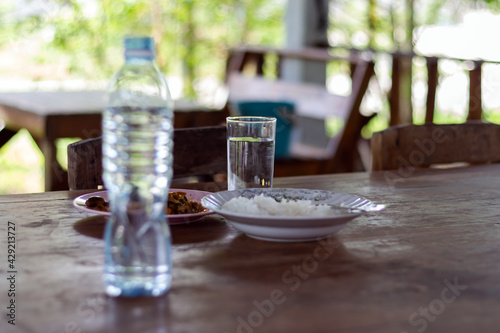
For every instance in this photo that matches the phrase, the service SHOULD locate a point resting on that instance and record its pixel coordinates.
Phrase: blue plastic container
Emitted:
(282, 111)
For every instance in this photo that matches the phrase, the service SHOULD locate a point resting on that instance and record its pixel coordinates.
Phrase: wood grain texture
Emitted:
(428, 262)
(412, 146)
(85, 164)
(197, 151)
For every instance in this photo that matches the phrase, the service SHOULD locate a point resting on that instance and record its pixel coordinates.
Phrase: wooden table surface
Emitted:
(51, 115)
(429, 262)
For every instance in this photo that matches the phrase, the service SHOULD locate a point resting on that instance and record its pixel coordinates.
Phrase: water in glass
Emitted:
(250, 162)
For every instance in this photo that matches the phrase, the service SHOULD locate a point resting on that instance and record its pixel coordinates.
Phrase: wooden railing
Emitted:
(475, 76)
(241, 57)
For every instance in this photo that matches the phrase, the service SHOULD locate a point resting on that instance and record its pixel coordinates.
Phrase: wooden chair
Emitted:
(341, 154)
(409, 146)
(198, 151)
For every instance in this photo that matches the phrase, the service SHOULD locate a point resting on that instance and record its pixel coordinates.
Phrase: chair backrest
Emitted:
(346, 153)
(197, 152)
(410, 146)
(313, 105)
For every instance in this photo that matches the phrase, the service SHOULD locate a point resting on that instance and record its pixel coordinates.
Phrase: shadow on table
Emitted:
(91, 226)
(209, 228)
(138, 314)
(251, 259)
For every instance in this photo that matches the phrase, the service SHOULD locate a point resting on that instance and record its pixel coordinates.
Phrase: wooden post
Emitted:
(279, 64)
(235, 62)
(400, 94)
(259, 63)
(475, 98)
(432, 82)
(394, 93)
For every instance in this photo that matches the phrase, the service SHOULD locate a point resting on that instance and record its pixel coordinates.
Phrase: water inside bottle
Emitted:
(137, 161)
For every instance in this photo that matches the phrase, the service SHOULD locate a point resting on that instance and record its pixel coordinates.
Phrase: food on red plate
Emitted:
(97, 203)
(178, 203)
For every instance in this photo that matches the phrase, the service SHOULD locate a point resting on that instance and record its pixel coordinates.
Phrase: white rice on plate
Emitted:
(266, 206)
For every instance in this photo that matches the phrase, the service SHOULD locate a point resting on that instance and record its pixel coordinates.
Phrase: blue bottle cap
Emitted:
(139, 47)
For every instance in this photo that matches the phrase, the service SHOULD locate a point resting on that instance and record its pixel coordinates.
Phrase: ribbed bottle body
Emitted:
(137, 171)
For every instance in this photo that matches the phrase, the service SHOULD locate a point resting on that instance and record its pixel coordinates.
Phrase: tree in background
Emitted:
(192, 36)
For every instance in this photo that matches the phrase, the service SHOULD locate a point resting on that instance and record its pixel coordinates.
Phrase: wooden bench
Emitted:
(411, 146)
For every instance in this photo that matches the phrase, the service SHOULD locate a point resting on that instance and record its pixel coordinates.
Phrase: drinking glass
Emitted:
(250, 152)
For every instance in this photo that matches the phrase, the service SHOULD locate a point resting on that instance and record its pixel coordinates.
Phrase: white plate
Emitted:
(172, 218)
(292, 228)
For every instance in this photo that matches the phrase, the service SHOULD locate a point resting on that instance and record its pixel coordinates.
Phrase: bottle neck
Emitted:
(136, 60)
(140, 61)
(139, 55)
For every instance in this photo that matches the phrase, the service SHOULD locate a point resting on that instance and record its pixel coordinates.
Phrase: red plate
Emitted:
(194, 195)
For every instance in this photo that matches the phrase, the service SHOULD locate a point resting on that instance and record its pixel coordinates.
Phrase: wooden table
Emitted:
(429, 262)
(49, 116)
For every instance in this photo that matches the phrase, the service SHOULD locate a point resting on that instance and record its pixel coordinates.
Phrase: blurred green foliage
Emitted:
(192, 36)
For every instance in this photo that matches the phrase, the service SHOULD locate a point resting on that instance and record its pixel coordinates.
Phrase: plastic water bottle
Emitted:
(137, 172)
